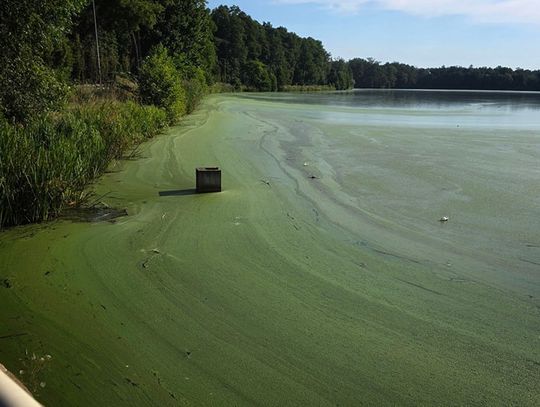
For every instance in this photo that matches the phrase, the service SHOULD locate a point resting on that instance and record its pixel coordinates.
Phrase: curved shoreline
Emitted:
(250, 296)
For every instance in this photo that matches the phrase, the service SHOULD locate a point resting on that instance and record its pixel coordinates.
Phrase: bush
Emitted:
(160, 84)
(221, 87)
(195, 86)
(47, 163)
(29, 88)
(257, 76)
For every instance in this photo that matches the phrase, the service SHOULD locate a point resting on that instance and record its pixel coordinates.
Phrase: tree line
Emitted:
(368, 73)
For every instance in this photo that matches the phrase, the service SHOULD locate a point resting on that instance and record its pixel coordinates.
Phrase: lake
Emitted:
(321, 275)
(397, 161)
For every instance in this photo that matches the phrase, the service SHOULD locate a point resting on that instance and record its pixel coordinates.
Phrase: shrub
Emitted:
(195, 86)
(160, 83)
(256, 76)
(29, 88)
(221, 87)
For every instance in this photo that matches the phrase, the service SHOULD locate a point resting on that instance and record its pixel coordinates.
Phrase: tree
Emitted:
(230, 43)
(120, 27)
(160, 83)
(256, 76)
(30, 30)
(288, 59)
(185, 27)
(340, 75)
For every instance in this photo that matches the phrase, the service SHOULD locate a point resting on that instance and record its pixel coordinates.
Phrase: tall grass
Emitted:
(46, 164)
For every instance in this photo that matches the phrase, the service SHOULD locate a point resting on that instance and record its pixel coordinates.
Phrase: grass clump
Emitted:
(46, 163)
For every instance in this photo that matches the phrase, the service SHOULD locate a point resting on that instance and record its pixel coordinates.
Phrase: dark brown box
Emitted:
(208, 179)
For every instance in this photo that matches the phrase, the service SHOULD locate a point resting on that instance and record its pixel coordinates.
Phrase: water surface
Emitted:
(320, 276)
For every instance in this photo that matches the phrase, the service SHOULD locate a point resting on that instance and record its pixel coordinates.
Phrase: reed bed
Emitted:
(45, 165)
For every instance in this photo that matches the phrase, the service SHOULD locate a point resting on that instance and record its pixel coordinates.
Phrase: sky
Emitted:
(424, 33)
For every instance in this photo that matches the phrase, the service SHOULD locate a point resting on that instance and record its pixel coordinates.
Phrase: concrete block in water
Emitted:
(208, 179)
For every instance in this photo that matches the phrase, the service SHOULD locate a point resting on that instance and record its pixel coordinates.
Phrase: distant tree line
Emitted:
(368, 73)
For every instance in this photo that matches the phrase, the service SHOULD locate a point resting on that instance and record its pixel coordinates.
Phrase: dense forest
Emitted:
(368, 73)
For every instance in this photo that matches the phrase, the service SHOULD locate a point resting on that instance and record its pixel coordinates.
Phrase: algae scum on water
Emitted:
(321, 275)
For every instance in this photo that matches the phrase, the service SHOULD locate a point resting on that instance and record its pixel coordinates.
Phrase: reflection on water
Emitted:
(405, 98)
(421, 108)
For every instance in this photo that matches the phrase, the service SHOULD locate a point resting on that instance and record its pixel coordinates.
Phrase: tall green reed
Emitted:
(46, 164)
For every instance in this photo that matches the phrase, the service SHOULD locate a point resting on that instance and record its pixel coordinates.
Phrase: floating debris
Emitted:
(306, 164)
(444, 219)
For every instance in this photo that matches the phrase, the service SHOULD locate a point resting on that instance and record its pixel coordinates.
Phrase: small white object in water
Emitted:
(444, 219)
(306, 164)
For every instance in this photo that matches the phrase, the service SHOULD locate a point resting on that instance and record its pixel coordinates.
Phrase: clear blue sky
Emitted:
(424, 33)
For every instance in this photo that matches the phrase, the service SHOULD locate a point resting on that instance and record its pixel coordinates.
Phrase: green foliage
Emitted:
(30, 31)
(194, 82)
(313, 63)
(256, 76)
(29, 88)
(160, 83)
(46, 164)
(340, 75)
(290, 60)
(185, 28)
(369, 73)
(120, 24)
(220, 87)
